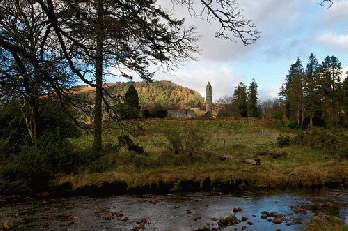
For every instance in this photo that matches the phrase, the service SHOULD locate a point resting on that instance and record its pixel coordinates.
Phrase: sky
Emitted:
(289, 29)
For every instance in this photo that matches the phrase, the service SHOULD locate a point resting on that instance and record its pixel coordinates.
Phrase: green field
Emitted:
(185, 155)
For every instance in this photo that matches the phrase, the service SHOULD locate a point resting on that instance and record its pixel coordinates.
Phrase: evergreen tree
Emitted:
(311, 96)
(240, 98)
(252, 100)
(292, 92)
(130, 108)
(329, 89)
(345, 100)
(131, 97)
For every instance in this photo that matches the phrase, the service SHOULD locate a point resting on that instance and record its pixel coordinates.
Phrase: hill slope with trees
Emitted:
(165, 93)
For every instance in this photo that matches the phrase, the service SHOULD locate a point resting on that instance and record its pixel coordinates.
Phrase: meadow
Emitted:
(173, 155)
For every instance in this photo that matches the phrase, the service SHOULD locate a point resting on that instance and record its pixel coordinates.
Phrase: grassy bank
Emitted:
(173, 155)
(184, 155)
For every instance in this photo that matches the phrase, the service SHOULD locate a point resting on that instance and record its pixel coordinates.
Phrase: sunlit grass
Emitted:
(289, 166)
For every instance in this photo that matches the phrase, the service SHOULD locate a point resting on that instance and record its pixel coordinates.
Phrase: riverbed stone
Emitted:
(277, 221)
(264, 216)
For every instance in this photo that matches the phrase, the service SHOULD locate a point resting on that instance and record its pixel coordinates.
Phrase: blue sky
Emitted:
(289, 29)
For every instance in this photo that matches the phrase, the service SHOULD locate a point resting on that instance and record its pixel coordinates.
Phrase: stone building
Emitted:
(209, 99)
(182, 113)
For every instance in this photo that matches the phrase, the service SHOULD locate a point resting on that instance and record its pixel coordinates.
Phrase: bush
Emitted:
(332, 141)
(157, 112)
(187, 144)
(283, 141)
(33, 167)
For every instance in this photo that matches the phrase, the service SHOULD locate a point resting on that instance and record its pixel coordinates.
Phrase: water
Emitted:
(174, 211)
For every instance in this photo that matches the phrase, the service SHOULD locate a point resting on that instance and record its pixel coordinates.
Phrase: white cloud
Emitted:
(270, 92)
(195, 75)
(333, 40)
(289, 29)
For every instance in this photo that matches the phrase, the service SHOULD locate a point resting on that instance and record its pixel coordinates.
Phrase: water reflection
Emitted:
(175, 211)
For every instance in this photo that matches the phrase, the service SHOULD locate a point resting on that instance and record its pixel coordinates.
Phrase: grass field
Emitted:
(184, 155)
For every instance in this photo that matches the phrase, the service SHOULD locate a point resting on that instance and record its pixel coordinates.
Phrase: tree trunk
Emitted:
(98, 114)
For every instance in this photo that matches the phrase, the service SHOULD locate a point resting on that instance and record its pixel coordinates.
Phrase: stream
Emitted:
(178, 211)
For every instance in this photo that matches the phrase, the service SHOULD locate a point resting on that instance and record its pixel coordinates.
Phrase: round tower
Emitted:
(209, 99)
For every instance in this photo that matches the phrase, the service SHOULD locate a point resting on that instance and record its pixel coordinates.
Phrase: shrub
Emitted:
(176, 145)
(158, 111)
(189, 143)
(331, 141)
(33, 167)
(283, 141)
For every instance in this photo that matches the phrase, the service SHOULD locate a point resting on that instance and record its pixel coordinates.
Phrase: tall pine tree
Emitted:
(240, 99)
(329, 89)
(292, 93)
(311, 96)
(252, 100)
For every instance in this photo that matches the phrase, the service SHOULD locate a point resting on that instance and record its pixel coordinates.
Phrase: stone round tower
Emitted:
(209, 99)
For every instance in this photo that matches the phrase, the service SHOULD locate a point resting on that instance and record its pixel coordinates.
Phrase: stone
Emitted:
(264, 216)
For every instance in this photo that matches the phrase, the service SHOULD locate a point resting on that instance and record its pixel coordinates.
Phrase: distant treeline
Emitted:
(314, 95)
(164, 93)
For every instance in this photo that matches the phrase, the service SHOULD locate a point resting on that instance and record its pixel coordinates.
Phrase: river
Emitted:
(178, 211)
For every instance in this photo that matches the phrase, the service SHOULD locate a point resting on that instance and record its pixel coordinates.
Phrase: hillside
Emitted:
(166, 93)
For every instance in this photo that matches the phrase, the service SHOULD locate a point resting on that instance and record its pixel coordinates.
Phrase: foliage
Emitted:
(316, 95)
(165, 93)
(34, 167)
(331, 141)
(243, 103)
(158, 111)
(130, 107)
(190, 143)
(252, 109)
(52, 118)
(240, 97)
(283, 141)
(292, 92)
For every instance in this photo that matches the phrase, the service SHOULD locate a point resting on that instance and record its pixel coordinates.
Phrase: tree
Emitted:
(292, 93)
(345, 100)
(130, 107)
(272, 109)
(311, 96)
(329, 89)
(28, 68)
(226, 107)
(252, 100)
(240, 98)
(131, 97)
(128, 34)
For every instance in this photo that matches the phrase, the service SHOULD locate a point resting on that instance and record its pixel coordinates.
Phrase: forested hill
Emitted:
(166, 93)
